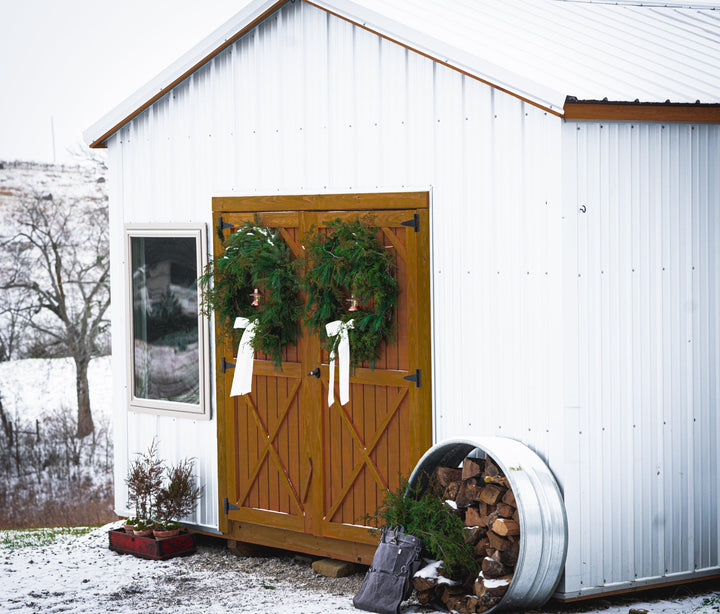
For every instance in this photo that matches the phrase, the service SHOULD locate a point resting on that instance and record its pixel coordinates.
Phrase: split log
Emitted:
(451, 591)
(472, 517)
(492, 568)
(472, 534)
(509, 556)
(501, 480)
(505, 511)
(516, 516)
(505, 526)
(462, 498)
(446, 475)
(421, 584)
(482, 547)
(491, 493)
(472, 468)
(496, 587)
(497, 542)
(490, 519)
(491, 469)
(471, 604)
(473, 489)
(509, 498)
(425, 597)
(451, 491)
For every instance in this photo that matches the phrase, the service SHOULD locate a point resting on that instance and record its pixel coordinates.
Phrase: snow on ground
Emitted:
(80, 574)
(32, 387)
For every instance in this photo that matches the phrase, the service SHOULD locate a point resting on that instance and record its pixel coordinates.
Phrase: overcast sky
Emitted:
(75, 60)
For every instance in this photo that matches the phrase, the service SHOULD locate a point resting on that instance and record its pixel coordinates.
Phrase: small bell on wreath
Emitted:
(256, 294)
(353, 303)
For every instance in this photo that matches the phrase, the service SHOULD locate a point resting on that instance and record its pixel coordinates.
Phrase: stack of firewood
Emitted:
(482, 495)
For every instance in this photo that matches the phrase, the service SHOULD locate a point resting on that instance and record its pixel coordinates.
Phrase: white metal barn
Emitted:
(569, 154)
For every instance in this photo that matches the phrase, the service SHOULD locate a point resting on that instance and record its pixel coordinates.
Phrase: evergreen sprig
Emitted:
(424, 515)
(350, 261)
(255, 257)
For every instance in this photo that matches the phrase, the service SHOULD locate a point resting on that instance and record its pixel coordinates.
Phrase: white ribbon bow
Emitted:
(340, 329)
(242, 378)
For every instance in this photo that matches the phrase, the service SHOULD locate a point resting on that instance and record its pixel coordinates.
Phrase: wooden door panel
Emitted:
(366, 442)
(265, 430)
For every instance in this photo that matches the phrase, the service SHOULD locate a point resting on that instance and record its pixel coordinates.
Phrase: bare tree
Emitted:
(56, 255)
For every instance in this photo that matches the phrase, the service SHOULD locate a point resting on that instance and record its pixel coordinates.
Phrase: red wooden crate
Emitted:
(150, 547)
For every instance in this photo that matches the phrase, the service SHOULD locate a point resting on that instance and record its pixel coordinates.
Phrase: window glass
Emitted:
(166, 345)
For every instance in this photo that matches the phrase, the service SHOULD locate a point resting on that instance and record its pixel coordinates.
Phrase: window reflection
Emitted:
(165, 319)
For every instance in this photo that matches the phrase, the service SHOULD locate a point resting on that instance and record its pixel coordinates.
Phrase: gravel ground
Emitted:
(80, 574)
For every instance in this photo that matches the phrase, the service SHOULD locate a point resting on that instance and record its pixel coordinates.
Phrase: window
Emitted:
(167, 337)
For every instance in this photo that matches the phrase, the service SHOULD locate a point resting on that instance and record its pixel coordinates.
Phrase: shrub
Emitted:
(424, 515)
(160, 493)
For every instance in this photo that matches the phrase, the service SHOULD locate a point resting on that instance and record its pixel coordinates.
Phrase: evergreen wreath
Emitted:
(255, 257)
(347, 262)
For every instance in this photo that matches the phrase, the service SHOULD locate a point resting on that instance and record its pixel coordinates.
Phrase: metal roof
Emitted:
(540, 50)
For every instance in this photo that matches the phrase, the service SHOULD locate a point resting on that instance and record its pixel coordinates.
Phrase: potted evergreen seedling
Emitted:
(176, 499)
(144, 482)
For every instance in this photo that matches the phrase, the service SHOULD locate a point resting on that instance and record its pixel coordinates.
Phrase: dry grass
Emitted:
(79, 506)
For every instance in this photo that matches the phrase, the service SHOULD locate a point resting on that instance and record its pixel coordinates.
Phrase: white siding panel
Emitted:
(309, 103)
(645, 203)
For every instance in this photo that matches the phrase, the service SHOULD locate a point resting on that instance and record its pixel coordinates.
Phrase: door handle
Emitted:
(315, 372)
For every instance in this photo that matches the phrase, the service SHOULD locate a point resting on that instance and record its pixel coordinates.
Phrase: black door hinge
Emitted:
(222, 226)
(413, 223)
(414, 378)
(227, 506)
(225, 365)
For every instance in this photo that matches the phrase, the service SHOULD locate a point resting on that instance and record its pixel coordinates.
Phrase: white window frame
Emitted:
(176, 409)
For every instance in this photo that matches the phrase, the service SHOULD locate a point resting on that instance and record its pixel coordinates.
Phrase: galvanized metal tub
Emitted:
(543, 523)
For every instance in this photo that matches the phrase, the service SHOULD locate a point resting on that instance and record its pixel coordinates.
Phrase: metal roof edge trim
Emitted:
(209, 47)
(641, 111)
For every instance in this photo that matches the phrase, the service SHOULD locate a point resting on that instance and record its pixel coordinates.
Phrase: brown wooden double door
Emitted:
(294, 472)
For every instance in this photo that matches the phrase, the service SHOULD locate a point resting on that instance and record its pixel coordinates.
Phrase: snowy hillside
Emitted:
(19, 180)
(34, 387)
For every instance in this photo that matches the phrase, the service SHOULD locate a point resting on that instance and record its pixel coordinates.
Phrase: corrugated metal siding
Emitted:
(309, 103)
(643, 262)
